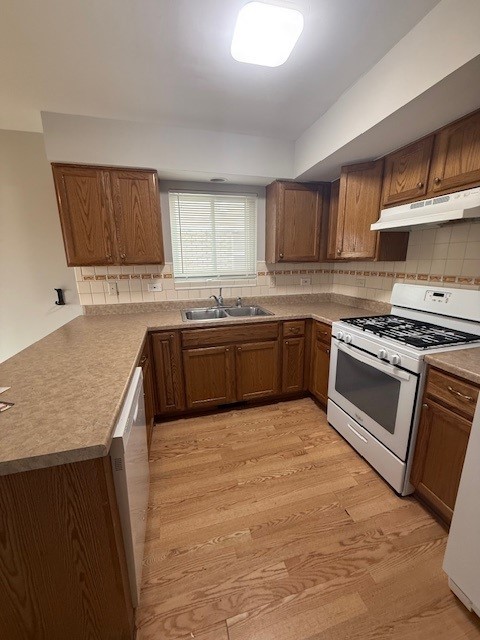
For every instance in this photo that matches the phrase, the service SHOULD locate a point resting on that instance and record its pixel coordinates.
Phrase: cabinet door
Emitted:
(319, 369)
(137, 214)
(86, 215)
(456, 156)
(294, 221)
(406, 172)
(149, 389)
(168, 372)
(358, 208)
(333, 220)
(209, 376)
(293, 365)
(257, 370)
(439, 455)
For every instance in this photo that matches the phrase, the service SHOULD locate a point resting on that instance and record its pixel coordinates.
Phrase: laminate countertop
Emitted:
(464, 363)
(68, 388)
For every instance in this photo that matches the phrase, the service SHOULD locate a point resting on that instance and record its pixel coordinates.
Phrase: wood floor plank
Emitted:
(263, 524)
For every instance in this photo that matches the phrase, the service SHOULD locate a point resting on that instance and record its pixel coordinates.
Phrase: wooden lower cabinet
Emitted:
(167, 356)
(209, 376)
(293, 365)
(439, 456)
(148, 388)
(320, 361)
(257, 370)
(63, 570)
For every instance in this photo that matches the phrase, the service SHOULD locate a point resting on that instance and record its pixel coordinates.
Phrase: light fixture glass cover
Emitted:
(265, 34)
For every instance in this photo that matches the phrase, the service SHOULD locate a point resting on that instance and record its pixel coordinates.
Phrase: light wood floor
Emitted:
(265, 525)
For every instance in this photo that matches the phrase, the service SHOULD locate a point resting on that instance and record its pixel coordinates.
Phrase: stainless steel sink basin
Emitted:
(203, 314)
(217, 313)
(240, 312)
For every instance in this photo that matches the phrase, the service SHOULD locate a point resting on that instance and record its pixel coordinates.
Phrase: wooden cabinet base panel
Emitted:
(62, 564)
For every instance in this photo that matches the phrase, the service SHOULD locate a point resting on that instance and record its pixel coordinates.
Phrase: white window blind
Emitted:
(214, 235)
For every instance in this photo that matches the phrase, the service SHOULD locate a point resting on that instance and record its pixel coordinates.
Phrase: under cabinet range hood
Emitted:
(461, 205)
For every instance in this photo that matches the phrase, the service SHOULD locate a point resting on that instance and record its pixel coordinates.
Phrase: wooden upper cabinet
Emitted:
(358, 207)
(456, 156)
(333, 220)
(109, 216)
(406, 172)
(294, 222)
(137, 215)
(86, 215)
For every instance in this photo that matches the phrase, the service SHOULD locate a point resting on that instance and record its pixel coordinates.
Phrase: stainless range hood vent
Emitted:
(433, 212)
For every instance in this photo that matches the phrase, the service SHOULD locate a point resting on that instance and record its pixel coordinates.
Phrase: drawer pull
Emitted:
(356, 433)
(460, 395)
(143, 360)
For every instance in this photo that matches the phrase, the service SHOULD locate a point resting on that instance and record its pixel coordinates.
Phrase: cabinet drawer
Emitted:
(322, 332)
(460, 395)
(226, 335)
(293, 328)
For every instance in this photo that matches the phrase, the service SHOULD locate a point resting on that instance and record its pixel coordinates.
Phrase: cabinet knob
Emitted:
(227, 350)
(425, 406)
(123, 256)
(239, 348)
(419, 185)
(339, 251)
(281, 255)
(172, 335)
(437, 180)
(108, 256)
(328, 351)
(286, 341)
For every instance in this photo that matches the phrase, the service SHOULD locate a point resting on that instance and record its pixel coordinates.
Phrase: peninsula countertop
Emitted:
(68, 388)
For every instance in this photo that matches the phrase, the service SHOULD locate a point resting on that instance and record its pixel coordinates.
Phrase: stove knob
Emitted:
(340, 335)
(348, 338)
(382, 354)
(394, 359)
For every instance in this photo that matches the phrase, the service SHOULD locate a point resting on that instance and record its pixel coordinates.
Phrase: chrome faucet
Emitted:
(218, 299)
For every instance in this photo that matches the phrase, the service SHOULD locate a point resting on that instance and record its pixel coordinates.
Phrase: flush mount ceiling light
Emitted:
(265, 34)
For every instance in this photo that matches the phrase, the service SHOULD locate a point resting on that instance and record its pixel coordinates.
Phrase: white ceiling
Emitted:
(168, 61)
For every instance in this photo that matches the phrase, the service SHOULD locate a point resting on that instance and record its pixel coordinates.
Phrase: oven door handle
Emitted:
(374, 362)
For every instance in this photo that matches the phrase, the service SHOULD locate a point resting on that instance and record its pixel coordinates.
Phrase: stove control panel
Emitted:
(393, 358)
(344, 337)
(437, 296)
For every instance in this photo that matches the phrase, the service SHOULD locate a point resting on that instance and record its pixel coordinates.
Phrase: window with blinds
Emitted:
(214, 236)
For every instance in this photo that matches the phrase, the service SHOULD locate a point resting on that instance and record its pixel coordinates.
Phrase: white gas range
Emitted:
(377, 371)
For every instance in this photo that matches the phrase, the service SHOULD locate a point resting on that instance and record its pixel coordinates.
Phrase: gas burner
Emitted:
(421, 335)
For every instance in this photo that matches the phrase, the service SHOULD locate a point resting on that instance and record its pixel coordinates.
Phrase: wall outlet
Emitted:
(360, 282)
(155, 286)
(304, 282)
(112, 288)
(273, 281)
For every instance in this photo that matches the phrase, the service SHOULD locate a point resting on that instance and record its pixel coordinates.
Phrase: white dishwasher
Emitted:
(131, 474)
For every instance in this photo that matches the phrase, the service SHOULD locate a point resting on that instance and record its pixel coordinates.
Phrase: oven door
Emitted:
(378, 395)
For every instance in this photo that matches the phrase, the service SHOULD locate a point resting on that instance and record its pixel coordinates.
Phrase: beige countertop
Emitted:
(464, 363)
(68, 388)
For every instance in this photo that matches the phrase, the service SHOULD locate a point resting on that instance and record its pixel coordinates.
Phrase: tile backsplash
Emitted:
(447, 256)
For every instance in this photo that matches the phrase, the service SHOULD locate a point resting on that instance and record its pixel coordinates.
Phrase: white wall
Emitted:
(445, 40)
(177, 153)
(32, 259)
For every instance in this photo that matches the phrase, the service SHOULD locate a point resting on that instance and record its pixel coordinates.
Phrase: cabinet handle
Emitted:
(339, 251)
(143, 360)
(425, 406)
(171, 336)
(108, 256)
(419, 185)
(328, 351)
(460, 395)
(239, 348)
(227, 350)
(123, 256)
(437, 180)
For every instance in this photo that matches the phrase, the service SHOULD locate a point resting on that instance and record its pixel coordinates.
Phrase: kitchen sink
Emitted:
(203, 314)
(240, 312)
(218, 313)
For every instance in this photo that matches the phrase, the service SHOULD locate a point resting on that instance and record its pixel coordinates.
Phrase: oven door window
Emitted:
(372, 391)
